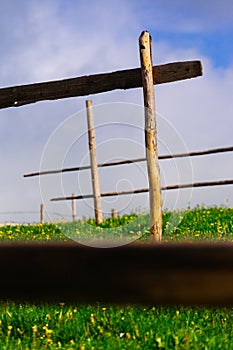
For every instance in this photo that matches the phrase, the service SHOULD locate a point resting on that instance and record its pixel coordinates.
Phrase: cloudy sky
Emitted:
(49, 40)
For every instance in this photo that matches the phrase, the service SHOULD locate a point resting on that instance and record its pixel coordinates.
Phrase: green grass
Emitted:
(199, 223)
(63, 326)
(40, 233)
(114, 327)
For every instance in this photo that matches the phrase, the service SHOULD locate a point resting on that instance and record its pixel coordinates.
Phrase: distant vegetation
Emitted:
(199, 223)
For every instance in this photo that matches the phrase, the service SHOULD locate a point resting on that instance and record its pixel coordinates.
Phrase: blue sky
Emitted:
(205, 25)
(46, 40)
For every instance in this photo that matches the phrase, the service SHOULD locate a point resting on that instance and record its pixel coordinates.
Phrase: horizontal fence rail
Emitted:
(168, 273)
(136, 160)
(87, 85)
(144, 190)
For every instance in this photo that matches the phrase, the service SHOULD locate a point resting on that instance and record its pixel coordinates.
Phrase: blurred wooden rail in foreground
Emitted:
(167, 273)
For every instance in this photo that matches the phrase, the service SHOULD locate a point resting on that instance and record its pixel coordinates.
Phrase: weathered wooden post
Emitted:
(42, 213)
(114, 213)
(73, 207)
(150, 137)
(94, 165)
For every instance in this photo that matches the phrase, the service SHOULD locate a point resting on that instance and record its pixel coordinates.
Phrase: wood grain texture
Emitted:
(178, 273)
(151, 136)
(94, 164)
(93, 84)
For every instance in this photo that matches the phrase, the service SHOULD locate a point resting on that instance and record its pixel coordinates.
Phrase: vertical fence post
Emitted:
(94, 166)
(73, 208)
(114, 213)
(42, 213)
(150, 137)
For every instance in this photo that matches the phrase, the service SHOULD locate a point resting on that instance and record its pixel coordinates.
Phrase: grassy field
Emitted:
(197, 224)
(62, 326)
(114, 327)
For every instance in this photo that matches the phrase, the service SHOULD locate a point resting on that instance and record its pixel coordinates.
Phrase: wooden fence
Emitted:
(157, 273)
(146, 77)
(96, 189)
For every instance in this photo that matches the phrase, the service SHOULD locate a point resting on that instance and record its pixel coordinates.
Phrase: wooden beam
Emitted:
(94, 164)
(175, 273)
(145, 190)
(73, 205)
(145, 47)
(199, 184)
(42, 213)
(93, 84)
(114, 213)
(136, 160)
